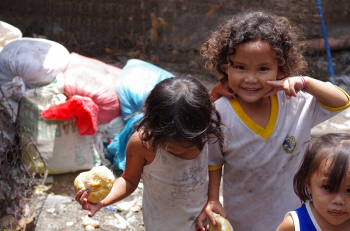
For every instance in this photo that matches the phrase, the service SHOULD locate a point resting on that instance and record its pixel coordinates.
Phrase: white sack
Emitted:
(58, 142)
(7, 33)
(36, 61)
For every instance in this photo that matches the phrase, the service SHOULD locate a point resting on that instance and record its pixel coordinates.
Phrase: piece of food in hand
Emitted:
(222, 224)
(99, 181)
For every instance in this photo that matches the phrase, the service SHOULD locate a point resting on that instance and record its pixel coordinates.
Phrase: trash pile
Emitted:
(63, 112)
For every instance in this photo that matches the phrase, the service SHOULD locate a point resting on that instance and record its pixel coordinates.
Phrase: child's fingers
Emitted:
(222, 89)
(211, 218)
(85, 204)
(199, 221)
(289, 88)
(84, 196)
(78, 196)
(222, 212)
(200, 226)
(228, 93)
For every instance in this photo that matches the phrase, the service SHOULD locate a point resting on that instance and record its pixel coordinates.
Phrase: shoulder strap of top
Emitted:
(313, 219)
(295, 220)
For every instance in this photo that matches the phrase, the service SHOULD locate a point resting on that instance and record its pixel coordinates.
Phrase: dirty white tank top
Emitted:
(175, 191)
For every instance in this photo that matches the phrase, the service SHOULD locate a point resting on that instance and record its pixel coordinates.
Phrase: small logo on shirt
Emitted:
(289, 144)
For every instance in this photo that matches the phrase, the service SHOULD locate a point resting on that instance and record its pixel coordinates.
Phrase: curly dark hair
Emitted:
(248, 26)
(332, 146)
(180, 108)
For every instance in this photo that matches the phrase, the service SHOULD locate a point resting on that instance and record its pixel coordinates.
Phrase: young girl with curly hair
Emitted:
(269, 113)
(323, 186)
(170, 150)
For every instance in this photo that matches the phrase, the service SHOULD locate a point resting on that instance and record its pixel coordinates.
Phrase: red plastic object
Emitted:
(94, 79)
(83, 109)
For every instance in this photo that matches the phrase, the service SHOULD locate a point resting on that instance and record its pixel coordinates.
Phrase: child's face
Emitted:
(254, 63)
(333, 208)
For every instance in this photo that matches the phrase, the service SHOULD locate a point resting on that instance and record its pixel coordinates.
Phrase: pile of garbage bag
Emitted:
(77, 112)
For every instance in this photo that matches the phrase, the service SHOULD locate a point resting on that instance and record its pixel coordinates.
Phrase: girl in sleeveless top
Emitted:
(323, 185)
(169, 150)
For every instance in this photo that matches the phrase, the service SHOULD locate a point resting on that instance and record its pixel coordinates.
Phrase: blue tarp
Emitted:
(134, 83)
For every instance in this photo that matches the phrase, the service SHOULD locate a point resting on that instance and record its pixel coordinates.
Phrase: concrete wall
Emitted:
(153, 30)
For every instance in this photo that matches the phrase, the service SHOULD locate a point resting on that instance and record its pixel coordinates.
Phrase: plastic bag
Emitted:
(80, 108)
(8, 33)
(36, 61)
(117, 148)
(134, 84)
(89, 85)
(96, 80)
(58, 142)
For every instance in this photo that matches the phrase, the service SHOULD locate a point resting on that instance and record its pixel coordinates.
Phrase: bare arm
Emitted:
(325, 93)
(214, 185)
(213, 204)
(287, 224)
(124, 185)
(128, 182)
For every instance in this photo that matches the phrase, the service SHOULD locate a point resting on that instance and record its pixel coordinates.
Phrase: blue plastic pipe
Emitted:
(328, 50)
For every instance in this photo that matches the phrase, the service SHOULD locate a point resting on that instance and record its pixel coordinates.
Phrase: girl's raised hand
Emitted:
(81, 197)
(291, 86)
(221, 89)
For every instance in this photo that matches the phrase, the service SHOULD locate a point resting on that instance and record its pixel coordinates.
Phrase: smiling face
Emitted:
(254, 63)
(332, 208)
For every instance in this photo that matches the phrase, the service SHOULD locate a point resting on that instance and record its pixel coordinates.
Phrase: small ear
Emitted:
(308, 187)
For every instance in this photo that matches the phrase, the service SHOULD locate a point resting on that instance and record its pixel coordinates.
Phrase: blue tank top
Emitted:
(304, 219)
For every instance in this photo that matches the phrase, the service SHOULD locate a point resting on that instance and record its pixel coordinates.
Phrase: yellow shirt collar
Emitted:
(257, 129)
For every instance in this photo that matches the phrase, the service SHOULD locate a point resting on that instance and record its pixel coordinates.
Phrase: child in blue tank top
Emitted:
(323, 185)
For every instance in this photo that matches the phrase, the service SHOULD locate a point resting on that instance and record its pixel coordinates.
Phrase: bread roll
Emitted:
(222, 224)
(99, 181)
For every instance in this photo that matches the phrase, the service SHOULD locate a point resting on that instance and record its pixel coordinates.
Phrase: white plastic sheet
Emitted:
(7, 33)
(36, 61)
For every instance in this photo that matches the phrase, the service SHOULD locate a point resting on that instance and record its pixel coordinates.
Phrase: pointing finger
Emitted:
(275, 83)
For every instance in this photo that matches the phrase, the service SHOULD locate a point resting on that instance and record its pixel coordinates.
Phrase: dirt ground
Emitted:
(56, 209)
